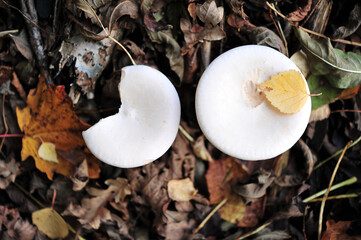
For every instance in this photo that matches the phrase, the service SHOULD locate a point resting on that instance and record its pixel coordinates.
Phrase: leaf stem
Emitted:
(312, 32)
(11, 135)
(315, 94)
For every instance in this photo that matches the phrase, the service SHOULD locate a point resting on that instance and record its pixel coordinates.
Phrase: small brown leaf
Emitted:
(200, 149)
(301, 12)
(8, 172)
(209, 13)
(181, 190)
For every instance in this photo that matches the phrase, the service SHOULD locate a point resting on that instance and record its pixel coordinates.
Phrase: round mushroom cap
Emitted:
(146, 124)
(234, 115)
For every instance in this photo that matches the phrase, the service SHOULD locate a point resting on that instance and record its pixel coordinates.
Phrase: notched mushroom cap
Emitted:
(147, 122)
(231, 110)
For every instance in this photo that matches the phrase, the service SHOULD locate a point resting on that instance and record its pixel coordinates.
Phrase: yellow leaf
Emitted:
(47, 152)
(286, 91)
(181, 190)
(50, 223)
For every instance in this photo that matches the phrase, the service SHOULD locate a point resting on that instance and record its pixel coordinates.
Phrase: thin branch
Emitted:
(5, 124)
(312, 32)
(108, 33)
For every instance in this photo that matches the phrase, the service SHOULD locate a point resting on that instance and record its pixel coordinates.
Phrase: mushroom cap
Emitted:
(233, 115)
(146, 124)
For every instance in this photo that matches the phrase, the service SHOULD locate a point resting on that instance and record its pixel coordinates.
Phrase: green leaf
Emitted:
(318, 84)
(343, 70)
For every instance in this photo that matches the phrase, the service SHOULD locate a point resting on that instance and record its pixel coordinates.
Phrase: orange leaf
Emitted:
(337, 230)
(286, 91)
(50, 117)
(221, 176)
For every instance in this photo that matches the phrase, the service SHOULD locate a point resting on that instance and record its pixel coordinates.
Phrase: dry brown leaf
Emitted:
(93, 210)
(13, 226)
(349, 92)
(301, 12)
(8, 172)
(200, 150)
(50, 117)
(338, 230)
(209, 13)
(222, 175)
(50, 223)
(286, 91)
(181, 190)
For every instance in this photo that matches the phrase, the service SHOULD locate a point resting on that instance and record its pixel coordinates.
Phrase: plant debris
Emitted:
(60, 66)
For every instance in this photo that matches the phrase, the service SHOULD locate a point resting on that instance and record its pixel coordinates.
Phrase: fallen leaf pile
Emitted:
(49, 118)
(194, 191)
(222, 177)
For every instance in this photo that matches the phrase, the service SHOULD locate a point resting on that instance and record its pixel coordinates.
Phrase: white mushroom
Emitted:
(233, 114)
(147, 122)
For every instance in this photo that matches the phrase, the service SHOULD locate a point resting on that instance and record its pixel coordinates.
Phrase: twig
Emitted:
(11, 135)
(5, 124)
(28, 9)
(210, 215)
(280, 31)
(347, 182)
(254, 231)
(335, 154)
(346, 110)
(312, 32)
(323, 203)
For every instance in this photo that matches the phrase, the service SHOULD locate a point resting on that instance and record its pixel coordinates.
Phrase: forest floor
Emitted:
(60, 66)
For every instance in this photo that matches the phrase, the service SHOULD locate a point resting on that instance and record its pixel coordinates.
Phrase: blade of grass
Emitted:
(342, 196)
(323, 203)
(349, 181)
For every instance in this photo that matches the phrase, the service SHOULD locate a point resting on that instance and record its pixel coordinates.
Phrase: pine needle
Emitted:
(210, 215)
